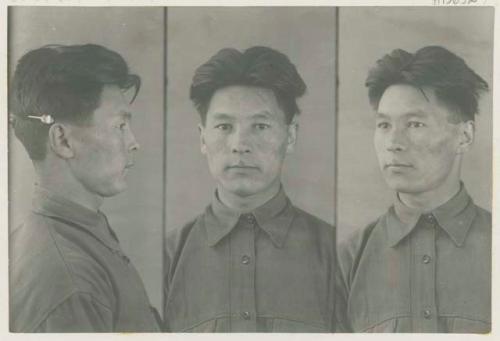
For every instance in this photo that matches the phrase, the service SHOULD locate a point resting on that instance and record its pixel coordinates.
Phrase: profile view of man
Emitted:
(69, 108)
(251, 262)
(424, 265)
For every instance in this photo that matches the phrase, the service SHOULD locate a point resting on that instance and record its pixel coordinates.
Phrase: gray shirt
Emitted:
(416, 271)
(270, 270)
(69, 274)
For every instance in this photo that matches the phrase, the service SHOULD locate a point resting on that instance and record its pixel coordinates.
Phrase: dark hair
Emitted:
(64, 82)
(454, 83)
(257, 66)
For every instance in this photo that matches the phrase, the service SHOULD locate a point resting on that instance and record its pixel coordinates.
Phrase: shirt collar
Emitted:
(454, 217)
(274, 217)
(94, 222)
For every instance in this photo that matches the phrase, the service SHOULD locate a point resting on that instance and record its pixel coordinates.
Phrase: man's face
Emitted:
(103, 148)
(245, 139)
(415, 142)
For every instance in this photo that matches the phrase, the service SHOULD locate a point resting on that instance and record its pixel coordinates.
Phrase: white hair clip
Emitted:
(45, 118)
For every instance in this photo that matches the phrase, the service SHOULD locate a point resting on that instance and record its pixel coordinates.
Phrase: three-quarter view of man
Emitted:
(425, 264)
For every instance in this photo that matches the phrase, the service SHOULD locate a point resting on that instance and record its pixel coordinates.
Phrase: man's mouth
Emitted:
(242, 166)
(397, 165)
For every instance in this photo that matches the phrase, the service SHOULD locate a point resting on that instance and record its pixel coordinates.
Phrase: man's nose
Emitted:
(133, 144)
(396, 140)
(239, 141)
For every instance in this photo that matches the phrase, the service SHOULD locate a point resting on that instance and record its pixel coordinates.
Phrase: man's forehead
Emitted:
(112, 107)
(247, 101)
(408, 100)
(427, 107)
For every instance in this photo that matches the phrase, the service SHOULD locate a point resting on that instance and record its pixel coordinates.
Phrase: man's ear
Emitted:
(59, 140)
(203, 146)
(466, 138)
(293, 128)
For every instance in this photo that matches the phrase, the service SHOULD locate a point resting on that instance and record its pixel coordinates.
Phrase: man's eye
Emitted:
(415, 124)
(223, 126)
(122, 125)
(383, 125)
(262, 126)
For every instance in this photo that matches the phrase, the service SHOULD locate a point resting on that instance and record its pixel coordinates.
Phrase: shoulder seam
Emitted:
(65, 299)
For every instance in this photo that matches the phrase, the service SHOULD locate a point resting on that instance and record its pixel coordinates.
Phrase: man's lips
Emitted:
(397, 165)
(242, 166)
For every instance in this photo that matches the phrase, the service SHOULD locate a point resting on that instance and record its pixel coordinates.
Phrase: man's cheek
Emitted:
(436, 147)
(215, 146)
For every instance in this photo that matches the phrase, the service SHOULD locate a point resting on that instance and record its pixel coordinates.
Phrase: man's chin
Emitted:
(115, 190)
(398, 185)
(406, 188)
(242, 190)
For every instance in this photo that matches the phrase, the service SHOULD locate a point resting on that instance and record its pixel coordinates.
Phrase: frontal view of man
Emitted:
(69, 107)
(252, 262)
(425, 265)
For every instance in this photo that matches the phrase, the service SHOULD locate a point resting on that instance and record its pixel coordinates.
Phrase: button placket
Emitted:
(243, 300)
(423, 279)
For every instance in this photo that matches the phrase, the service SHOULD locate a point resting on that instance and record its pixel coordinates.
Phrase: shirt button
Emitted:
(427, 314)
(245, 259)
(245, 315)
(250, 219)
(426, 259)
(430, 218)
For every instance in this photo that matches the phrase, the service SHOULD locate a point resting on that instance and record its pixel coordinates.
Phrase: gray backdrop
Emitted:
(366, 34)
(137, 34)
(307, 37)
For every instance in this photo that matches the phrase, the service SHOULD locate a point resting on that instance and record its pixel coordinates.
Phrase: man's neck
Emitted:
(247, 203)
(428, 201)
(65, 185)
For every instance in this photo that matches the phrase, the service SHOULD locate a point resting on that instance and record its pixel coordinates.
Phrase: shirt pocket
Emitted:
(387, 326)
(289, 326)
(209, 326)
(463, 325)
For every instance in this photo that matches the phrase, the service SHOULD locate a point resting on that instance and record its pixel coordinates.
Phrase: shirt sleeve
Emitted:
(78, 313)
(348, 252)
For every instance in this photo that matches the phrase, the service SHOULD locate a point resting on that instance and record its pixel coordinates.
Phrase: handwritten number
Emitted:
(455, 2)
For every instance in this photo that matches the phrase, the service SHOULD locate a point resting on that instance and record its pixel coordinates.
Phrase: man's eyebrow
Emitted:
(262, 115)
(222, 116)
(417, 113)
(126, 114)
(381, 115)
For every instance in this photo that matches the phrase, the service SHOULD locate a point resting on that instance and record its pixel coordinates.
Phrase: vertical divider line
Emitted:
(8, 166)
(335, 119)
(335, 157)
(165, 125)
